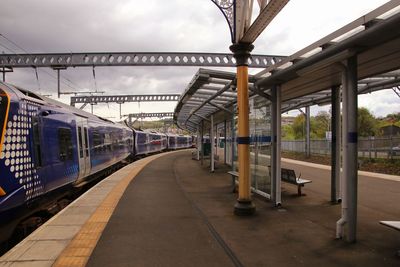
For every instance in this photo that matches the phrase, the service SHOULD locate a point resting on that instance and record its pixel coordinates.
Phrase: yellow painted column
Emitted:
(243, 132)
(244, 205)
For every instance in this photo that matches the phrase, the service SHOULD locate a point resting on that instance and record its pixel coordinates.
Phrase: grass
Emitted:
(386, 166)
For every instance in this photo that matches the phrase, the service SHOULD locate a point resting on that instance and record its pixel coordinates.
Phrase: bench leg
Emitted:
(299, 190)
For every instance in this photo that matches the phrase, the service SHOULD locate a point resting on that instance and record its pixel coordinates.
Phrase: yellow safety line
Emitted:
(80, 248)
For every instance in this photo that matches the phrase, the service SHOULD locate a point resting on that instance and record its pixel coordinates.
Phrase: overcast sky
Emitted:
(47, 26)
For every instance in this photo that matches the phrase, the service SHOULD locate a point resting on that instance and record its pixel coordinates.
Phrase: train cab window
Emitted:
(36, 142)
(80, 142)
(65, 144)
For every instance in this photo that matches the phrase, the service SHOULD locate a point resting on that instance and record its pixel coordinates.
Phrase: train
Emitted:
(49, 150)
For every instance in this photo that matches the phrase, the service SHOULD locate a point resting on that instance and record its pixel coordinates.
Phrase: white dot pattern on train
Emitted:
(15, 150)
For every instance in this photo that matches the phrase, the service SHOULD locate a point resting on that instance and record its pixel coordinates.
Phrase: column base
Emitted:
(244, 208)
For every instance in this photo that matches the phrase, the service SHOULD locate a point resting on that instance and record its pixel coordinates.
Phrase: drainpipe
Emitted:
(343, 220)
(349, 204)
(335, 147)
(308, 132)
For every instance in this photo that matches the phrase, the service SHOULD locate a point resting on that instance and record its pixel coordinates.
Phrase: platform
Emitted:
(174, 212)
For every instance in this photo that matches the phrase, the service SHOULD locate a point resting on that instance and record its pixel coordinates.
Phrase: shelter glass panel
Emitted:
(234, 140)
(220, 142)
(229, 147)
(260, 146)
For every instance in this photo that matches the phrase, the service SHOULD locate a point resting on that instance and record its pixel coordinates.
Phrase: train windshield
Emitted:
(4, 103)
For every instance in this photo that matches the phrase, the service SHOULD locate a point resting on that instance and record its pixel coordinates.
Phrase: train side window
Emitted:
(80, 142)
(36, 142)
(65, 144)
(97, 144)
(85, 130)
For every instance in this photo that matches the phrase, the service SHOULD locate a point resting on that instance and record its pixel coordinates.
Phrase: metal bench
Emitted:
(392, 224)
(235, 175)
(289, 176)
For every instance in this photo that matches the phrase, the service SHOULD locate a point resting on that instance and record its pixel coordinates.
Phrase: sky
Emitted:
(55, 26)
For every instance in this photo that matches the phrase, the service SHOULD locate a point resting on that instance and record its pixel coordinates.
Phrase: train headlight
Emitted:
(2, 192)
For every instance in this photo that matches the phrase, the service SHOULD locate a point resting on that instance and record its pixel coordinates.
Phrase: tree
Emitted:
(367, 123)
(393, 117)
(298, 127)
(287, 132)
(320, 124)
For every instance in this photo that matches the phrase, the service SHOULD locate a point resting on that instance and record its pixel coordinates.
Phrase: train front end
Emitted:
(19, 180)
(11, 193)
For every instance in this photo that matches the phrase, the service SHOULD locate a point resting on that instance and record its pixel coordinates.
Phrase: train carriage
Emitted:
(179, 141)
(149, 142)
(48, 147)
(48, 150)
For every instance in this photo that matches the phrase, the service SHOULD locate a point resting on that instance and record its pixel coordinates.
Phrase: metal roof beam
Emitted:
(195, 124)
(259, 92)
(226, 87)
(220, 107)
(266, 15)
(200, 116)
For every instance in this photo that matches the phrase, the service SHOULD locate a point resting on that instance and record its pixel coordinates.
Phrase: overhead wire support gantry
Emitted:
(94, 99)
(121, 99)
(65, 60)
(151, 115)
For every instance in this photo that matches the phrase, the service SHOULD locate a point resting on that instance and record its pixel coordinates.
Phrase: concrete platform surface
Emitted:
(45, 245)
(174, 212)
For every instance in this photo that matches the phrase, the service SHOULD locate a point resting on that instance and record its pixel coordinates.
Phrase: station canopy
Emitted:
(307, 77)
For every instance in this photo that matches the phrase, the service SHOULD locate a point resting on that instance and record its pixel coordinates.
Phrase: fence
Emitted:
(369, 147)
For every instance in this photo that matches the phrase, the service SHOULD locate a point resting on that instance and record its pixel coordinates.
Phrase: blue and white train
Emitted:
(49, 149)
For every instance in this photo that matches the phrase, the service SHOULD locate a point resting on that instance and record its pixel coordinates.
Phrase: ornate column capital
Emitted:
(241, 52)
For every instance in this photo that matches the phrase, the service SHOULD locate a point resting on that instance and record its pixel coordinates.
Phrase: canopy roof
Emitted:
(306, 77)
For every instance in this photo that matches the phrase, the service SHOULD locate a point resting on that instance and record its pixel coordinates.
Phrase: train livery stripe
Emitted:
(5, 109)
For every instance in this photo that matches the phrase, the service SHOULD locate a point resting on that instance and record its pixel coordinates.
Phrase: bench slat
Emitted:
(234, 173)
(391, 224)
(303, 181)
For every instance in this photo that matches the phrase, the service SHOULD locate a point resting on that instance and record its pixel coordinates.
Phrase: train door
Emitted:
(83, 147)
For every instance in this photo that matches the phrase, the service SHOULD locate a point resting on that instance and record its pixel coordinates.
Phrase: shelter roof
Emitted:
(306, 77)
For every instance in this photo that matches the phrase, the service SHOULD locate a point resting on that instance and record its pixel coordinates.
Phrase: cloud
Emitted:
(152, 26)
(380, 103)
